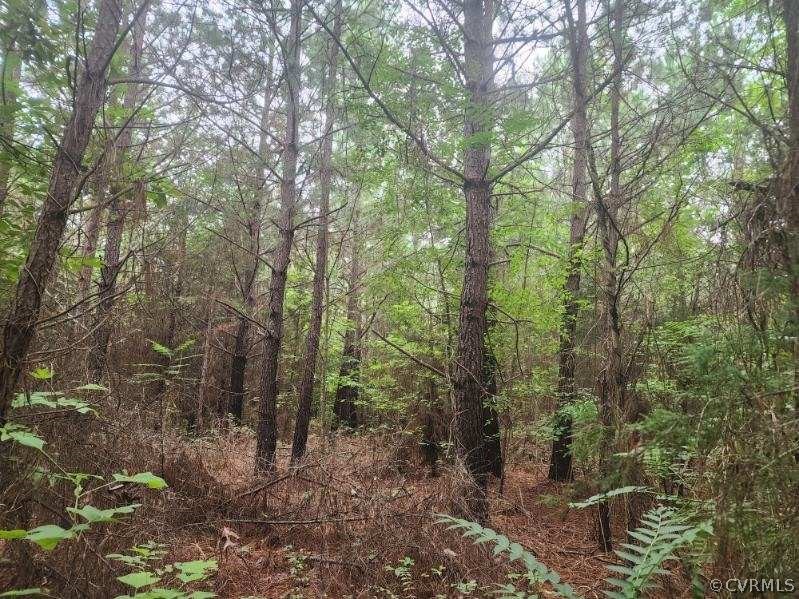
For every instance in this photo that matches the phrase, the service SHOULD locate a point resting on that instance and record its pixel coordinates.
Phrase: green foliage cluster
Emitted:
(85, 516)
(662, 534)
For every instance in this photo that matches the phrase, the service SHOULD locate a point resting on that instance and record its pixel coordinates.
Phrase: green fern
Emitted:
(602, 497)
(513, 551)
(660, 535)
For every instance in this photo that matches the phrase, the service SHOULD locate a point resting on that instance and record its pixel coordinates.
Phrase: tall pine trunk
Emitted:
(560, 464)
(65, 181)
(267, 409)
(118, 207)
(241, 343)
(612, 383)
(320, 268)
(468, 390)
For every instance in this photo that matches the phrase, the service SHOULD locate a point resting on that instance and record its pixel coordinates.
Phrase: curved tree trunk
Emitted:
(267, 409)
(65, 182)
(320, 268)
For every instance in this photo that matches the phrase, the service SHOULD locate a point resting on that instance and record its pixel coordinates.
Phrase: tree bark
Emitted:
(267, 409)
(612, 384)
(241, 345)
(238, 369)
(492, 440)
(12, 67)
(560, 464)
(468, 390)
(205, 368)
(118, 208)
(92, 232)
(790, 178)
(65, 180)
(320, 268)
(345, 407)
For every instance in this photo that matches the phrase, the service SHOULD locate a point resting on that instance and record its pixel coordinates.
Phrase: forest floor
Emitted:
(358, 520)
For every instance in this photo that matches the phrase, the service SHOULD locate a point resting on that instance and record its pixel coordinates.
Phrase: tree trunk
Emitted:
(468, 390)
(238, 369)
(345, 403)
(241, 345)
(117, 210)
(168, 333)
(790, 178)
(205, 368)
(267, 409)
(92, 233)
(320, 268)
(492, 441)
(65, 181)
(560, 464)
(345, 407)
(612, 384)
(107, 284)
(12, 66)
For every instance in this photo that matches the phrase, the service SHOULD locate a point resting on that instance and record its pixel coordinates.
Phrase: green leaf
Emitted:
(601, 497)
(37, 398)
(130, 560)
(157, 197)
(628, 556)
(22, 592)
(16, 533)
(91, 514)
(48, 536)
(621, 569)
(138, 580)
(51, 399)
(42, 373)
(161, 349)
(22, 435)
(195, 570)
(142, 478)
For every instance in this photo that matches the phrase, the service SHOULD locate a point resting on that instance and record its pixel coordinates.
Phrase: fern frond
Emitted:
(513, 551)
(602, 497)
(161, 349)
(660, 535)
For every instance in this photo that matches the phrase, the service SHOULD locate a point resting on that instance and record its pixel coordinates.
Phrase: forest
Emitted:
(399, 299)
